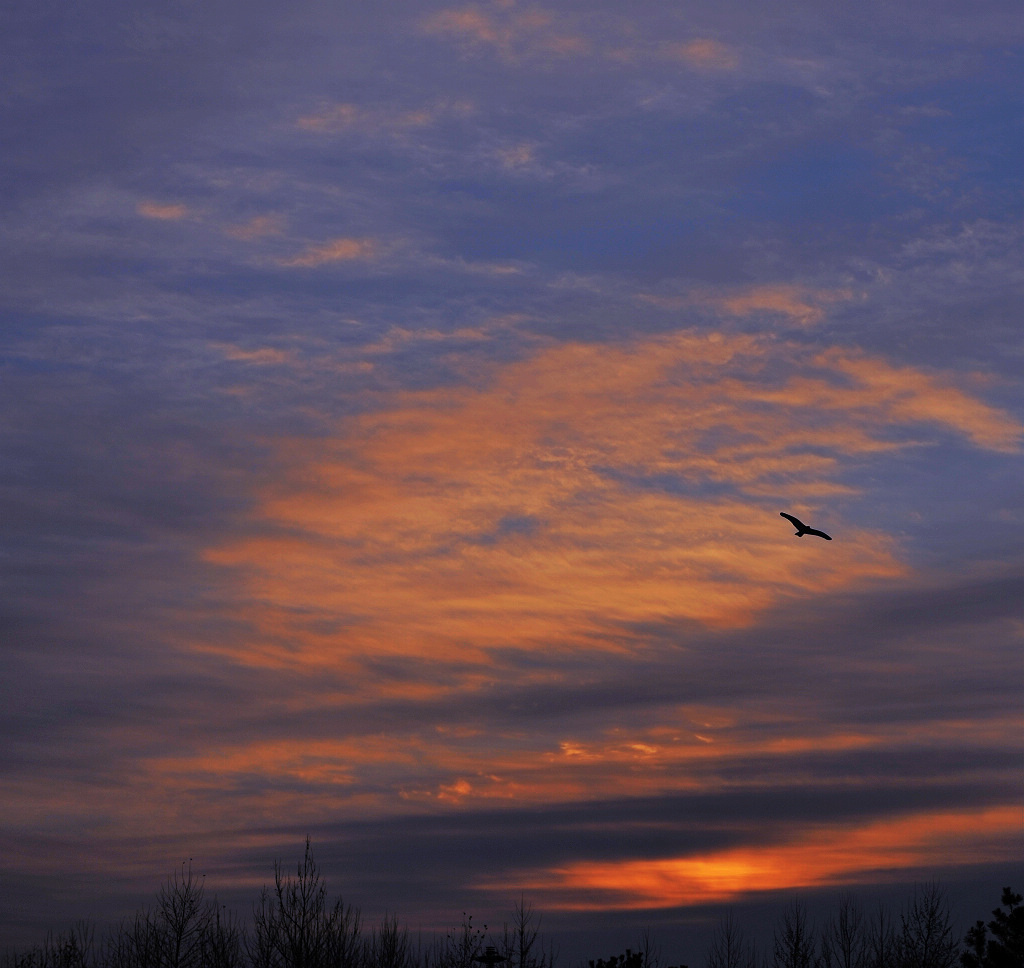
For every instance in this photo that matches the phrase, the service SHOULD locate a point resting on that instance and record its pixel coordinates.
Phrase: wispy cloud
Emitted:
(258, 227)
(345, 249)
(511, 31)
(800, 305)
(584, 486)
(337, 117)
(330, 118)
(517, 156)
(704, 54)
(910, 395)
(165, 211)
(264, 356)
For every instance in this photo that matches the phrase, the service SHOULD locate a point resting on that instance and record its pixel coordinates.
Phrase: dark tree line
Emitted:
(1000, 943)
(294, 925)
(920, 935)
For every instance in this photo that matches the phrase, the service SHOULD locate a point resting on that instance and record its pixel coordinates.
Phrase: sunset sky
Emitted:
(397, 402)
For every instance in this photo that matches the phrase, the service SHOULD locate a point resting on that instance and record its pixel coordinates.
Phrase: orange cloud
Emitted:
(704, 54)
(799, 304)
(282, 767)
(336, 250)
(453, 517)
(829, 856)
(255, 228)
(509, 31)
(265, 356)
(803, 306)
(516, 156)
(912, 395)
(332, 118)
(453, 766)
(469, 23)
(165, 211)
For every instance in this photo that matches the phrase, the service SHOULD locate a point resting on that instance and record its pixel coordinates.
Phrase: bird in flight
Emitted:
(802, 529)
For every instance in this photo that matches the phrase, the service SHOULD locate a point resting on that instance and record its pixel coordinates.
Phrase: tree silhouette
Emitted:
(294, 927)
(631, 959)
(69, 949)
(222, 944)
(520, 941)
(646, 957)
(794, 939)
(925, 938)
(1006, 947)
(184, 930)
(880, 949)
(183, 920)
(844, 938)
(390, 947)
(728, 947)
(459, 948)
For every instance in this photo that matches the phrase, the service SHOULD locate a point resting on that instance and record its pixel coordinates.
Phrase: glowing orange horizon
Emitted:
(829, 856)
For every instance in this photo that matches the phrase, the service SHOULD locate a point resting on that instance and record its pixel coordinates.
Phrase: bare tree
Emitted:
(223, 941)
(389, 946)
(728, 947)
(294, 927)
(630, 959)
(135, 943)
(459, 948)
(521, 943)
(649, 950)
(926, 938)
(794, 939)
(183, 920)
(184, 930)
(844, 937)
(880, 950)
(345, 948)
(68, 949)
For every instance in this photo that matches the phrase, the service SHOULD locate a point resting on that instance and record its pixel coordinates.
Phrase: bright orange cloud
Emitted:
(827, 856)
(337, 250)
(266, 776)
(911, 395)
(530, 512)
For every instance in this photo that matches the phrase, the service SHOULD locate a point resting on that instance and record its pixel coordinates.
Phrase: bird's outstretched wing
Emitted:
(802, 529)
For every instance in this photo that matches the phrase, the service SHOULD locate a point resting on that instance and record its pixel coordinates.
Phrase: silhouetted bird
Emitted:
(802, 529)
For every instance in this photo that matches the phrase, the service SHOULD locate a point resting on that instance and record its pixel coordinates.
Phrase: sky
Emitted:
(397, 405)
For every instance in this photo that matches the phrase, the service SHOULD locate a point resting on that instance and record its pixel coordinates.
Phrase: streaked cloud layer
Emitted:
(583, 486)
(397, 410)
